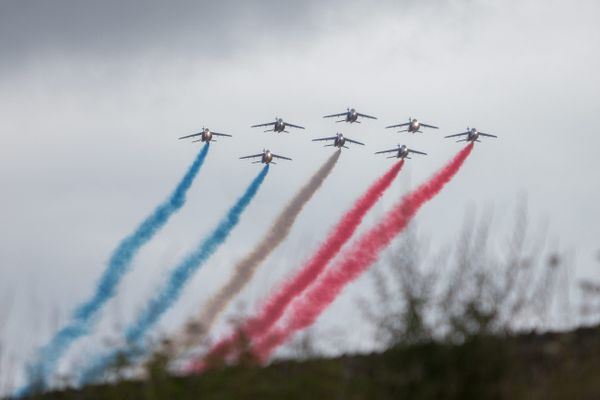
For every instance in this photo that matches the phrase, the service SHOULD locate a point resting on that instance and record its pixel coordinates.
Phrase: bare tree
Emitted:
(474, 287)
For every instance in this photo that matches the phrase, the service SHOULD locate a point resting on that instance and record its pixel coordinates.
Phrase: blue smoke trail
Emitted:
(84, 316)
(169, 293)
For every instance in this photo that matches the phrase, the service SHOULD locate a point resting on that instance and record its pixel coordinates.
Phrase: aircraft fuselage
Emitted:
(473, 135)
(206, 135)
(351, 115)
(414, 126)
(340, 141)
(279, 125)
(267, 157)
(403, 151)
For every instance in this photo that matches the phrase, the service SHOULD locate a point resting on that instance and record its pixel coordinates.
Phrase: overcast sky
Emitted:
(94, 94)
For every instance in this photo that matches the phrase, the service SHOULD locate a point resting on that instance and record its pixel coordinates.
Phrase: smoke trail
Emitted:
(276, 234)
(170, 292)
(83, 317)
(359, 257)
(276, 304)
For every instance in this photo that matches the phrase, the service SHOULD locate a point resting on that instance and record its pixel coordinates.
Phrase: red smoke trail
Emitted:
(358, 258)
(273, 309)
(275, 306)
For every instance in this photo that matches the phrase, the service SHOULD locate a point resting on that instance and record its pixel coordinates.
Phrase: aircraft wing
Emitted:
(386, 151)
(366, 116)
(398, 126)
(487, 134)
(354, 141)
(417, 152)
(335, 115)
(282, 157)
(429, 126)
(259, 125)
(252, 156)
(294, 126)
(324, 138)
(189, 136)
(221, 134)
(458, 134)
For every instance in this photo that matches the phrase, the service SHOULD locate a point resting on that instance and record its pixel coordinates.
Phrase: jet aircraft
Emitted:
(266, 157)
(412, 126)
(278, 126)
(401, 152)
(338, 141)
(351, 115)
(472, 135)
(205, 136)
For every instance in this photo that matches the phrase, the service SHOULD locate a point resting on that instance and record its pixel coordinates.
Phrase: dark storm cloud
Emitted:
(31, 30)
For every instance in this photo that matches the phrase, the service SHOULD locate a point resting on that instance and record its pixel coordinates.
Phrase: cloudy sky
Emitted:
(94, 94)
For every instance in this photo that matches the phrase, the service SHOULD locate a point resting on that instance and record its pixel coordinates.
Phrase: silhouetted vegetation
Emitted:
(531, 366)
(478, 287)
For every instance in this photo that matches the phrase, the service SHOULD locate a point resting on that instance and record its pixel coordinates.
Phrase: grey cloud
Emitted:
(31, 30)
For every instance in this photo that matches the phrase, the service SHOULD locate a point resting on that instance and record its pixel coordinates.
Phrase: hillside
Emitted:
(532, 366)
